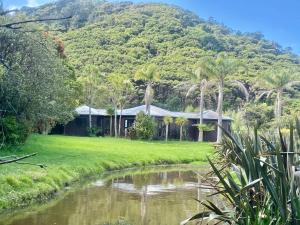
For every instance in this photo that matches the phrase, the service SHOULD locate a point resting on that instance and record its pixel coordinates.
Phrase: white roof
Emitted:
(84, 110)
(154, 111)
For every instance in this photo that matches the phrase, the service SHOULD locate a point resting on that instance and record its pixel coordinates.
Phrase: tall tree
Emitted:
(181, 121)
(220, 69)
(127, 89)
(37, 86)
(90, 81)
(149, 75)
(118, 88)
(167, 121)
(277, 81)
(110, 111)
(199, 79)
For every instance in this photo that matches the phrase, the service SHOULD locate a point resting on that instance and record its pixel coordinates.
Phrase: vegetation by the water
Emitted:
(71, 158)
(258, 179)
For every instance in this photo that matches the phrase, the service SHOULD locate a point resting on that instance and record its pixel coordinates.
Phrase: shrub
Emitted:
(12, 131)
(94, 131)
(132, 133)
(258, 115)
(144, 126)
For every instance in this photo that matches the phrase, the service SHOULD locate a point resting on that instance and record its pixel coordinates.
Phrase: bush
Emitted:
(94, 131)
(144, 126)
(132, 133)
(258, 115)
(12, 131)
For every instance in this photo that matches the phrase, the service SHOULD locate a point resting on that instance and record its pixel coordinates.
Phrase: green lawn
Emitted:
(69, 159)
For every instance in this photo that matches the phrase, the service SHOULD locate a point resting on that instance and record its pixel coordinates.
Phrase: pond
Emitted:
(157, 197)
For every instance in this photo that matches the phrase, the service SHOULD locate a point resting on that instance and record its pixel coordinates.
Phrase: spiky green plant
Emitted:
(262, 187)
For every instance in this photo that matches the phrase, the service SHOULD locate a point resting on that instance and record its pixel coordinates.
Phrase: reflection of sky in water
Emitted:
(99, 183)
(148, 190)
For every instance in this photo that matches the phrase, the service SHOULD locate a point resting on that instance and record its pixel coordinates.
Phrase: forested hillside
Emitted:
(122, 37)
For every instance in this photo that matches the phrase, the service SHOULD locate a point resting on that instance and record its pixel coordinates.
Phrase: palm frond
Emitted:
(243, 89)
(191, 89)
(262, 94)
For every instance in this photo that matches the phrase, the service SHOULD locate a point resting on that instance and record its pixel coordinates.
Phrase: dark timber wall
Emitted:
(79, 127)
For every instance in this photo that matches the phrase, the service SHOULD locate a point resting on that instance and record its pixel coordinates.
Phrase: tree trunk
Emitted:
(181, 133)
(110, 126)
(200, 137)
(148, 98)
(90, 117)
(116, 121)
(278, 106)
(120, 121)
(148, 109)
(167, 131)
(220, 111)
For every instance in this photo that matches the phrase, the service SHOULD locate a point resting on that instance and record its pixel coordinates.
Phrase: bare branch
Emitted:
(32, 31)
(32, 164)
(16, 159)
(14, 24)
(8, 11)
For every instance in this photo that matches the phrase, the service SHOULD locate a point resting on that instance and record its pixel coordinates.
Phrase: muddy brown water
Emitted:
(138, 197)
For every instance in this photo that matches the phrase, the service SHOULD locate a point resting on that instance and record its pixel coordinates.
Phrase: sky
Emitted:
(278, 20)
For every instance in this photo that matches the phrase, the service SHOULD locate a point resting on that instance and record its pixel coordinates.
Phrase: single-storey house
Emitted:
(101, 120)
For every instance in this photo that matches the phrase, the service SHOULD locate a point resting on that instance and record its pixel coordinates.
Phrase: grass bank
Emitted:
(70, 159)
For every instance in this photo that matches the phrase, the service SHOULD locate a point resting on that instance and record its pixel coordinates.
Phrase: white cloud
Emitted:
(32, 3)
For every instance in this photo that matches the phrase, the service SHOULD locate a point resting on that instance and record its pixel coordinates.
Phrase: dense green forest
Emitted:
(118, 39)
(121, 37)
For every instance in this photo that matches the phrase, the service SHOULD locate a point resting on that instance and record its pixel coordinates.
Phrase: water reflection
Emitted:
(161, 198)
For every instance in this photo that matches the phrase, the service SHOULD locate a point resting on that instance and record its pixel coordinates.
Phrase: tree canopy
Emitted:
(37, 84)
(121, 37)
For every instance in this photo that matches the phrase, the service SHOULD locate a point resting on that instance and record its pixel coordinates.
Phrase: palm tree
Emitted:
(276, 81)
(181, 121)
(150, 75)
(110, 111)
(167, 121)
(127, 88)
(220, 69)
(114, 91)
(118, 88)
(90, 81)
(199, 80)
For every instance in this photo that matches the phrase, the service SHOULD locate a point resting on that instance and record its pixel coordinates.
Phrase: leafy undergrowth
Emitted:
(70, 159)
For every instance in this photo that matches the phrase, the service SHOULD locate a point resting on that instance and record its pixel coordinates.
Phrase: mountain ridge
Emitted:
(120, 37)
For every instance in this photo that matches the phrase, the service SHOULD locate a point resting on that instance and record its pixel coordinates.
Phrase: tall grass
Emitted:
(258, 180)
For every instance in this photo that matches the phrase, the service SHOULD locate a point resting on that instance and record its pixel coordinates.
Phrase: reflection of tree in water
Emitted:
(121, 222)
(142, 199)
(144, 205)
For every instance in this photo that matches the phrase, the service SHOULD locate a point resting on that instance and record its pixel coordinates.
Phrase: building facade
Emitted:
(101, 121)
